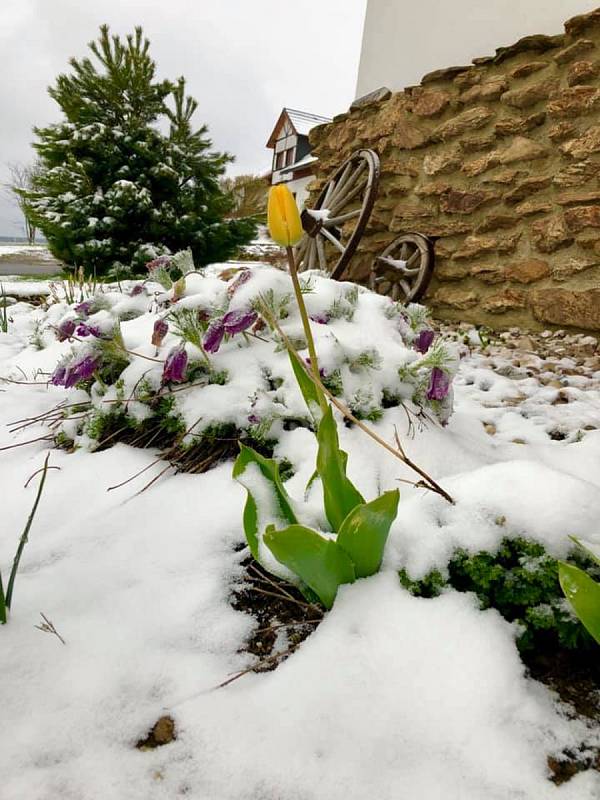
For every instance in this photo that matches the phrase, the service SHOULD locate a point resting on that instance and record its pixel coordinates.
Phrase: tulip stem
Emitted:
(314, 364)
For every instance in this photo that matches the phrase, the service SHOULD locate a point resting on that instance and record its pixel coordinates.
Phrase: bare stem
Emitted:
(314, 364)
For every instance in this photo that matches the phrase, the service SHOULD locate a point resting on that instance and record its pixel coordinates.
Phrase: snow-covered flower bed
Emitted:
(198, 359)
(393, 695)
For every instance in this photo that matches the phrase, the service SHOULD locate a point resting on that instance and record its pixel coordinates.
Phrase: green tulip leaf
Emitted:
(339, 493)
(365, 530)
(267, 501)
(317, 561)
(310, 391)
(583, 593)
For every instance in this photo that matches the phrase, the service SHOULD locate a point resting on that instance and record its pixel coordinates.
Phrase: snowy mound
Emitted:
(199, 358)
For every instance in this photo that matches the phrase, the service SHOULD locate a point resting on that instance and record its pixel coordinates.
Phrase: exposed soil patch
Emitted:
(162, 732)
(284, 617)
(575, 676)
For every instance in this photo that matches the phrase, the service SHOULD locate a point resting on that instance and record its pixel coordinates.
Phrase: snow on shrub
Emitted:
(196, 355)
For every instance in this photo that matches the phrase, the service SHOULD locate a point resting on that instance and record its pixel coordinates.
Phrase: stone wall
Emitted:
(500, 160)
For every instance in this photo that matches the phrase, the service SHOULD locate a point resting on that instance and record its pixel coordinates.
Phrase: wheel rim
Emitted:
(334, 226)
(404, 269)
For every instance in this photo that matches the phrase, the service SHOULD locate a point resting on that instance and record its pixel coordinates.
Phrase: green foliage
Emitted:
(7, 596)
(114, 189)
(311, 393)
(582, 592)
(320, 563)
(363, 533)
(520, 580)
(340, 496)
(267, 502)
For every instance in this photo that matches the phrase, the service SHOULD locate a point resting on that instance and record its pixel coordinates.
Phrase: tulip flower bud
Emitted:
(283, 218)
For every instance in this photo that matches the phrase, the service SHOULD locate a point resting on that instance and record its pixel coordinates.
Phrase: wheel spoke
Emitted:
(343, 217)
(406, 288)
(301, 249)
(415, 258)
(347, 181)
(335, 242)
(311, 254)
(343, 200)
(321, 253)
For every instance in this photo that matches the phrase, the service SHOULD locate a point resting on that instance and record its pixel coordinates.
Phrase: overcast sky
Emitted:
(243, 60)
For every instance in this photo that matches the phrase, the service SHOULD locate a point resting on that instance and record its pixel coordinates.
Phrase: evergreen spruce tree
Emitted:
(113, 189)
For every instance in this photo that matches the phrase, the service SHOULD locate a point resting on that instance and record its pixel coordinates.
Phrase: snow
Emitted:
(391, 697)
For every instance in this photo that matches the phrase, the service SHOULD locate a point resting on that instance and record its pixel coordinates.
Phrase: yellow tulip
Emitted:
(285, 226)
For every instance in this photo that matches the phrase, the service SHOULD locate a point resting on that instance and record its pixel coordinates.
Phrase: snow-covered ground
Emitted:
(392, 697)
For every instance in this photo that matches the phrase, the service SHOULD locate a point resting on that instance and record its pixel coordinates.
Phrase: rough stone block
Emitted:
(527, 187)
(582, 22)
(478, 245)
(485, 92)
(574, 101)
(550, 234)
(574, 50)
(580, 217)
(507, 300)
(522, 149)
(488, 273)
(460, 299)
(464, 202)
(509, 126)
(582, 72)
(527, 271)
(561, 131)
(577, 197)
(530, 95)
(430, 103)
(493, 222)
(568, 267)
(584, 145)
(469, 120)
(528, 68)
(530, 207)
(579, 309)
(581, 172)
(472, 144)
(446, 161)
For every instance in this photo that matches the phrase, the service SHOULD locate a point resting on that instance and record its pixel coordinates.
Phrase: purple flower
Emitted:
(322, 319)
(238, 321)
(240, 279)
(157, 263)
(254, 419)
(84, 308)
(175, 365)
(83, 329)
(214, 336)
(439, 385)
(58, 376)
(70, 375)
(137, 289)
(160, 330)
(424, 340)
(65, 330)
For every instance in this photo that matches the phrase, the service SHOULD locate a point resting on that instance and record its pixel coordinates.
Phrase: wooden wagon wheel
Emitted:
(334, 225)
(404, 269)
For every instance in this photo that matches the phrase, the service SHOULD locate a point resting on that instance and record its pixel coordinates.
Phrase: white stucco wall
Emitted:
(403, 40)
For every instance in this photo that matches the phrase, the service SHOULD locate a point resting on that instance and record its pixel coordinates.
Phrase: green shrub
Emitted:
(520, 581)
